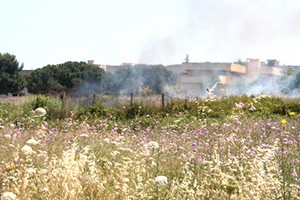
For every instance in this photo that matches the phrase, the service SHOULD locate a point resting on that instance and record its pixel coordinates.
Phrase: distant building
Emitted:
(91, 62)
(26, 74)
(195, 78)
(114, 68)
(199, 77)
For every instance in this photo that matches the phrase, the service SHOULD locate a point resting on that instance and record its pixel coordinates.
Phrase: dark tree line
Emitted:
(81, 78)
(10, 79)
(65, 77)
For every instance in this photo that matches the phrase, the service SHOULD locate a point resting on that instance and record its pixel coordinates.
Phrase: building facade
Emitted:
(223, 78)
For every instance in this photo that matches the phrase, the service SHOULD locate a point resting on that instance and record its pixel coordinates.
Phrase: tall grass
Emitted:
(189, 153)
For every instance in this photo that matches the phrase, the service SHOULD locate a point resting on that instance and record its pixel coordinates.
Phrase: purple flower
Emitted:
(207, 145)
(265, 146)
(199, 159)
(296, 161)
(287, 141)
(230, 138)
(251, 153)
(286, 151)
(252, 109)
(294, 174)
(239, 105)
(194, 144)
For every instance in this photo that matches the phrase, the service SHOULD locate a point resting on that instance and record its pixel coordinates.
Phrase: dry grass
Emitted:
(241, 159)
(16, 100)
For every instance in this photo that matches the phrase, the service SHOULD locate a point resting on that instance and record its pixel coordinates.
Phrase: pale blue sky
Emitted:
(41, 32)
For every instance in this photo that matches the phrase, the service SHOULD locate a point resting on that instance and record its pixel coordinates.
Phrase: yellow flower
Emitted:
(292, 113)
(283, 121)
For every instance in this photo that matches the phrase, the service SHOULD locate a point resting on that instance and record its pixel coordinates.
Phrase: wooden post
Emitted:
(63, 105)
(163, 101)
(94, 99)
(185, 104)
(131, 98)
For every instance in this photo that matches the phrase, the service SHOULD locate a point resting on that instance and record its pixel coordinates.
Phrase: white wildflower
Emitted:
(12, 125)
(106, 140)
(177, 121)
(115, 153)
(8, 196)
(84, 135)
(125, 149)
(152, 145)
(32, 141)
(40, 112)
(27, 150)
(161, 180)
(1, 127)
(153, 163)
(45, 189)
(31, 170)
(7, 136)
(114, 143)
(86, 149)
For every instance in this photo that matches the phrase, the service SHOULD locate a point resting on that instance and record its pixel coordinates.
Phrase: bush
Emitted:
(133, 111)
(52, 105)
(292, 105)
(96, 110)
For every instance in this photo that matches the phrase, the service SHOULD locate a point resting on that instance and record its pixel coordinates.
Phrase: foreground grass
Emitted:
(171, 157)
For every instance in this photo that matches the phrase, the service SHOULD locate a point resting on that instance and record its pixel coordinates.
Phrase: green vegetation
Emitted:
(131, 80)
(80, 78)
(202, 108)
(10, 79)
(66, 77)
(229, 148)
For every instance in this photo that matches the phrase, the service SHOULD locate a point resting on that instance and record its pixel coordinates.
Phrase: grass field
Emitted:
(193, 151)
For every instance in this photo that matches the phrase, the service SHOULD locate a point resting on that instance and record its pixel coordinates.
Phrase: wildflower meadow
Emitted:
(229, 148)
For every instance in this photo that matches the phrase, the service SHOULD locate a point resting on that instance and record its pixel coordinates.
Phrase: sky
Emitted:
(42, 32)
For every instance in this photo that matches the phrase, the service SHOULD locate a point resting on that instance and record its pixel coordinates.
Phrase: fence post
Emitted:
(131, 99)
(163, 101)
(185, 104)
(94, 99)
(63, 105)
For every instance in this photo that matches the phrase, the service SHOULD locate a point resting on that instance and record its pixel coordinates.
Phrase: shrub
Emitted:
(134, 110)
(96, 110)
(52, 105)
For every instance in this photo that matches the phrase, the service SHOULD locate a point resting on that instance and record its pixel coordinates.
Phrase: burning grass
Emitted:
(172, 156)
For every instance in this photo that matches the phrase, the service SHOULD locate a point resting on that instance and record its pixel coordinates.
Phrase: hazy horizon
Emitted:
(41, 32)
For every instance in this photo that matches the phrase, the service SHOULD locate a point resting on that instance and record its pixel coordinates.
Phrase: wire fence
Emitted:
(158, 100)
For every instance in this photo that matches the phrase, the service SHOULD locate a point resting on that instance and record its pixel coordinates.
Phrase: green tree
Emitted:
(11, 81)
(132, 80)
(69, 76)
